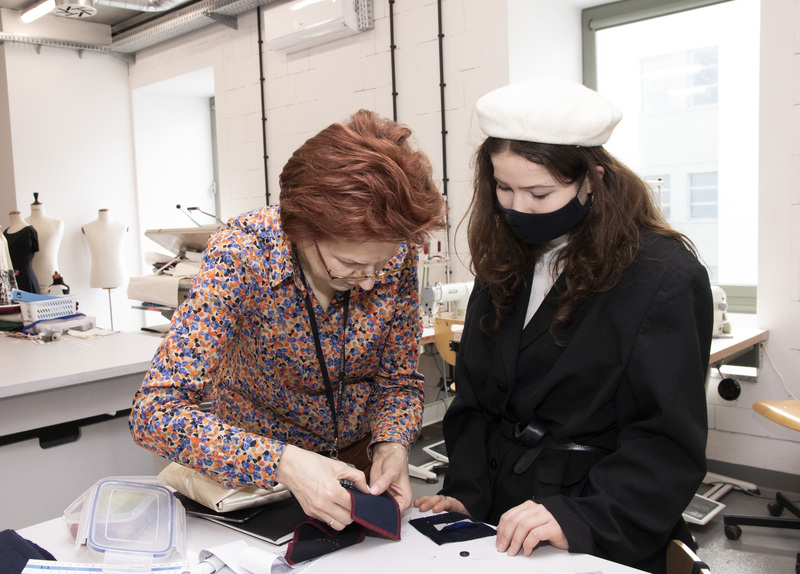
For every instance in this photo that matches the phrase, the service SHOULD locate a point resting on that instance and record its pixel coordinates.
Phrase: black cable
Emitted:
(392, 48)
(441, 95)
(262, 80)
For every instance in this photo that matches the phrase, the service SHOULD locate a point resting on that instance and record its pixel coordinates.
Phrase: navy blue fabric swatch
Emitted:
(313, 539)
(378, 513)
(456, 533)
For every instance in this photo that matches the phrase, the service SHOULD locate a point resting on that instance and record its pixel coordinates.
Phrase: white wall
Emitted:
(70, 133)
(738, 434)
(552, 30)
(89, 122)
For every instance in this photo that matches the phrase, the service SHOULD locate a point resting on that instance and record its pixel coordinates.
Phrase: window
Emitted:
(703, 195)
(685, 75)
(679, 81)
(660, 187)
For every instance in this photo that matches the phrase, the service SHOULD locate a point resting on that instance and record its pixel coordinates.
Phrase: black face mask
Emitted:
(537, 228)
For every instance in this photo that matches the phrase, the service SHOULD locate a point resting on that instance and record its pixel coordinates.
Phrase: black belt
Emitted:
(535, 437)
(535, 434)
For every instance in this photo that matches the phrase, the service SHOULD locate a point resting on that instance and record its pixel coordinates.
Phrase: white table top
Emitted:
(29, 367)
(413, 553)
(740, 339)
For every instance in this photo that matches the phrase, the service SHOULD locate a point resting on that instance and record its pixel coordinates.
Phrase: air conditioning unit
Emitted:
(301, 24)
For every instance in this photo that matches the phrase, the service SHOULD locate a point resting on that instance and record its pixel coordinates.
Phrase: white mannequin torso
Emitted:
(50, 231)
(106, 237)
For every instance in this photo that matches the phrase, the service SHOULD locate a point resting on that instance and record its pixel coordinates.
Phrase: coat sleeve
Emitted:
(466, 428)
(638, 492)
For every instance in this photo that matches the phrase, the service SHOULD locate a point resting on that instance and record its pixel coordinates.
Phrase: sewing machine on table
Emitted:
(434, 298)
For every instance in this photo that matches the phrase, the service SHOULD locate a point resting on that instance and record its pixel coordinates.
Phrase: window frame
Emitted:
(624, 12)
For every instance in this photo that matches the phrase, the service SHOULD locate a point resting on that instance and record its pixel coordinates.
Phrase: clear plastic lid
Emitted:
(131, 518)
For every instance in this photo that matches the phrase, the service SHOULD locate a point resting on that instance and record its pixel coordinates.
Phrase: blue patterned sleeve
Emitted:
(395, 406)
(166, 416)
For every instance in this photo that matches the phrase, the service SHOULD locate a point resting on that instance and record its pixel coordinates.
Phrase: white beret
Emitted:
(548, 110)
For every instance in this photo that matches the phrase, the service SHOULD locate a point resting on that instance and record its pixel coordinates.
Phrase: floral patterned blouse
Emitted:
(242, 340)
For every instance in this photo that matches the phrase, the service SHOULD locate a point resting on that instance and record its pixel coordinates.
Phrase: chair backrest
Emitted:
(444, 331)
(682, 560)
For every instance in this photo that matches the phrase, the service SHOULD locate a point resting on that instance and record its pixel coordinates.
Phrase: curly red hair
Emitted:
(360, 181)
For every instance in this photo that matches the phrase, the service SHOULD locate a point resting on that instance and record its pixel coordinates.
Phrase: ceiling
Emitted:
(105, 14)
(131, 30)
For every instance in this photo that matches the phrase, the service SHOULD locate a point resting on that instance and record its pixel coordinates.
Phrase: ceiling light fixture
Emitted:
(38, 10)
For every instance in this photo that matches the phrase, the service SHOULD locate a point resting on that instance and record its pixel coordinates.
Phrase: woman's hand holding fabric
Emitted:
(525, 526)
(440, 503)
(314, 481)
(389, 472)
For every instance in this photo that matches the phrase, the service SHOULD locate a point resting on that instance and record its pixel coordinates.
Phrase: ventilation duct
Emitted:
(156, 29)
(180, 22)
(142, 5)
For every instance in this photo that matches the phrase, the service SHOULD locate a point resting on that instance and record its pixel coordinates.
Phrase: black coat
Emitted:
(630, 382)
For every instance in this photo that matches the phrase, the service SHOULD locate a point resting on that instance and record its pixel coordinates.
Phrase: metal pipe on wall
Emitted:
(392, 48)
(262, 81)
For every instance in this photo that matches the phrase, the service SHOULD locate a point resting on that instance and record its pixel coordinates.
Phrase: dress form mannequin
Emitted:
(106, 237)
(23, 243)
(17, 222)
(50, 231)
(8, 281)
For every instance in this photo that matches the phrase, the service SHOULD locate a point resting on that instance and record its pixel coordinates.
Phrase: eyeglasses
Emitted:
(360, 277)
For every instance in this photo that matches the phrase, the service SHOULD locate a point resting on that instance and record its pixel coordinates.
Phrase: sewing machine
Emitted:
(433, 298)
(169, 283)
(721, 324)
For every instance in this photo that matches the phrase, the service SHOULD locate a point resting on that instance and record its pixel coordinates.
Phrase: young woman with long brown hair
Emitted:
(580, 415)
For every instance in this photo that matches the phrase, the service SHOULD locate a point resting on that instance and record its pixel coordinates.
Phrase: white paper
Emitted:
(239, 558)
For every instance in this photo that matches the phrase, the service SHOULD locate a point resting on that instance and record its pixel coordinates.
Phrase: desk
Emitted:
(744, 344)
(68, 380)
(54, 389)
(413, 553)
(744, 340)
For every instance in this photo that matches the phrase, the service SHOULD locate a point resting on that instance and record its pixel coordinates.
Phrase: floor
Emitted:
(758, 551)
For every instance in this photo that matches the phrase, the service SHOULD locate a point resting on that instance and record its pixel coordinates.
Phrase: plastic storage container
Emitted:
(129, 520)
(48, 309)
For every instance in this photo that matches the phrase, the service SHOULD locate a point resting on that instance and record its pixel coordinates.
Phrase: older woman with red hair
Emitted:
(302, 328)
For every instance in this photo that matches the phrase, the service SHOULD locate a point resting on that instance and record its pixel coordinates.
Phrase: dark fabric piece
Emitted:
(15, 551)
(457, 533)
(629, 378)
(22, 246)
(380, 514)
(313, 539)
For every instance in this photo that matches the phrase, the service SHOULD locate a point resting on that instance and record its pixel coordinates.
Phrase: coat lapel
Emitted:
(540, 322)
(510, 334)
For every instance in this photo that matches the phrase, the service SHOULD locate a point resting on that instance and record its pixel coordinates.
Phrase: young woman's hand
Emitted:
(314, 481)
(390, 472)
(440, 503)
(525, 526)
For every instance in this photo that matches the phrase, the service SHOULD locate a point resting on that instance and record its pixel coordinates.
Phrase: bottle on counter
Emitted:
(58, 287)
